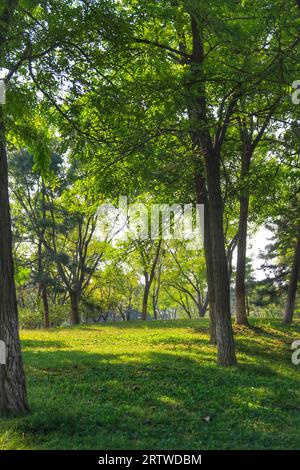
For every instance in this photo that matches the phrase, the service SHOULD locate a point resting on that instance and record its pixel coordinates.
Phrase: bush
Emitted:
(33, 318)
(267, 311)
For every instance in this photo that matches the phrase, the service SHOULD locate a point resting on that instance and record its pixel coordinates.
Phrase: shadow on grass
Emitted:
(156, 400)
(151, 324)
(44, 344)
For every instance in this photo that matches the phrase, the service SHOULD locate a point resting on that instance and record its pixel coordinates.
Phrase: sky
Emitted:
(257, 244)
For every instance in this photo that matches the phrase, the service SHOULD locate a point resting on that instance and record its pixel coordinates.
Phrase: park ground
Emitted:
(156, 386)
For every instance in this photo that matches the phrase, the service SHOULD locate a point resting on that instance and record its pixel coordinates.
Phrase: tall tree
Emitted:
(251, 132)
(13, 396)
(293, 282)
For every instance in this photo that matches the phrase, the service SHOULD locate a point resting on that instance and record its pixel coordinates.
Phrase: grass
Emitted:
(151, 386)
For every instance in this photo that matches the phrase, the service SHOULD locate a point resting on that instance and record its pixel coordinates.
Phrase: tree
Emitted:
(185, 276)
(149, 252)
(251, 134)
(293, 282)
(13, 396)
(29, 190)
(63, 223)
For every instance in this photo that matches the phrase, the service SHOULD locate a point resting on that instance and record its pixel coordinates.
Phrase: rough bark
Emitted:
(224, 333)
(13, 396)
(292, 290)
(75, 317)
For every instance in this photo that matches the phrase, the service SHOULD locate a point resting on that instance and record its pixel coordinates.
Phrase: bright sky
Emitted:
(257, 244)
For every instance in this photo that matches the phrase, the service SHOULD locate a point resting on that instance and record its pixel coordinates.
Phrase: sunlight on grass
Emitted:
(137, 386)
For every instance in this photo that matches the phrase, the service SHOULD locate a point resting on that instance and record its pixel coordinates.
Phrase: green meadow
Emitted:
(156, 386)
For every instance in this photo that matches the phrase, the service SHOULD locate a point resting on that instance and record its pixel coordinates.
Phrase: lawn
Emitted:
(156, 386)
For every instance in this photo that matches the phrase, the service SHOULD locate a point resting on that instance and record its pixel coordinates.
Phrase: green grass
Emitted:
(149, 386)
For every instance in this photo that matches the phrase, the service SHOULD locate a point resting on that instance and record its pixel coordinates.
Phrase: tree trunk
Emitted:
(201, 198)
(291, 298)
(154, 306)
(45, 306)
(230, 249)
(202, 308)
(145, 301)
(75, 318)
(211, 152)
(13, 396)
(210, 280)
(224, 333)
(42, 285)
(240, 286)
(149, 279)
(155, 294)
(128, 313)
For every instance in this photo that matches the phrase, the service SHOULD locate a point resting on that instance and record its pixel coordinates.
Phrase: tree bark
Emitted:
(224, 333)
(13, 396)
(75, 318)
(202, 307)
(145, 300)
(128, 313)
(148, 281)
(201, 194)
(155, 293)
(212, 158)
(42, 284)
(230, 249)
(292, 290)
(45, 306)
(240, 285)
(154, 306)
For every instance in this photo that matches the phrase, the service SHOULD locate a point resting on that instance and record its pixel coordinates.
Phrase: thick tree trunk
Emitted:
(224, 333)
(13, 397)
(292, 290)
(75, 318)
